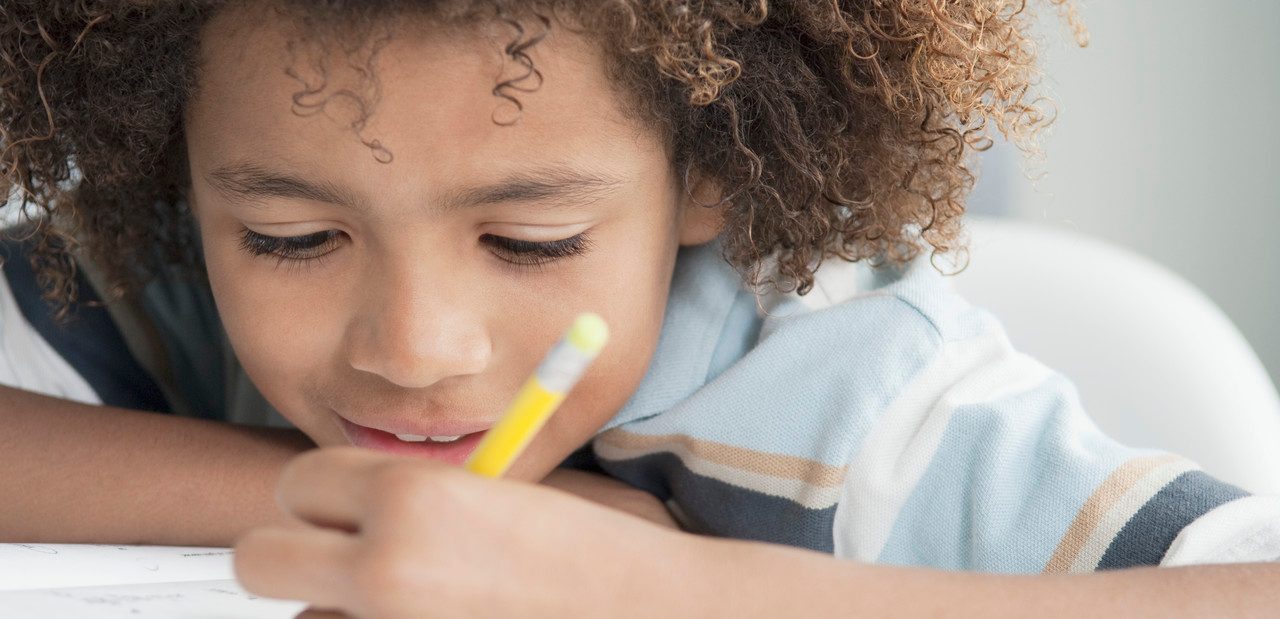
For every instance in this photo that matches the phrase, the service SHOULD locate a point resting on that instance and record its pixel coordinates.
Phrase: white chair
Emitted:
(1157, 363)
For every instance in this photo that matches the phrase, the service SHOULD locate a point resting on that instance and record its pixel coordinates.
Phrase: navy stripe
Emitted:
(712, 507)
(89, 341)
(583, 459)
(1146, 538)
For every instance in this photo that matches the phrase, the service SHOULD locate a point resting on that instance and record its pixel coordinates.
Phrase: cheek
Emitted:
(632, 299)
(278, 333)
(608, 384)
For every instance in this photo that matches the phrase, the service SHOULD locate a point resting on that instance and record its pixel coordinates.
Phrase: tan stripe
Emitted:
(1096, 507)
(1123, 511)
(803, 494)
(775, 465)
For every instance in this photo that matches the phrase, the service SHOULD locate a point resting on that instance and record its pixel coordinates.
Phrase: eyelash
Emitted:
(534, 254)
(297, 250)
(310, 249)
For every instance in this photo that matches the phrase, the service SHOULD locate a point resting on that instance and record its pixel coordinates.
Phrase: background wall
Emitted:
(1167, 142)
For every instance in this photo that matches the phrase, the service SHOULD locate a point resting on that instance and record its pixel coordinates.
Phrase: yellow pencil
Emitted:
(539, 396)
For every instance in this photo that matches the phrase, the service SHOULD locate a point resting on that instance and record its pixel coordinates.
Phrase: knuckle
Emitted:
(401, 489)
(399, 478)
(383, 575)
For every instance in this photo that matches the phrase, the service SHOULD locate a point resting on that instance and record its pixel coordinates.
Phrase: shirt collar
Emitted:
(703, 288)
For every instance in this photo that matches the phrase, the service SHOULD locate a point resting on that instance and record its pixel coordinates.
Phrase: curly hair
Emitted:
(837, 128)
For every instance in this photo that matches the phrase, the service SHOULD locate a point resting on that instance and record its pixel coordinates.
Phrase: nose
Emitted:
(414, 329)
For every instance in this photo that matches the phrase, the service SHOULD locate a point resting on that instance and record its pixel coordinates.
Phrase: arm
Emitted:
(611, 493)
(741, 579)
(80, 473)
(433, 539)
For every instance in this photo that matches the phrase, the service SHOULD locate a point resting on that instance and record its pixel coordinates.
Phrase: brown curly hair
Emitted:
(836, 128)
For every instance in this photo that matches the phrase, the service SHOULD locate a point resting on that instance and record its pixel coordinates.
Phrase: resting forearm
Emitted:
(748, 579)
(611, 493)
(79, 473)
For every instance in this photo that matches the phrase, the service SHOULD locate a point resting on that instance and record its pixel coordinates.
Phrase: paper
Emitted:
(209, 599)
(45, 566)
(102, 581)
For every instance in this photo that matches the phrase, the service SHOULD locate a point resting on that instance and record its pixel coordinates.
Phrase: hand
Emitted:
(390, 537)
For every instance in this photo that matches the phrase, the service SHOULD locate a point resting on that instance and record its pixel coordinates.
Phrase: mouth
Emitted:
(448, 449)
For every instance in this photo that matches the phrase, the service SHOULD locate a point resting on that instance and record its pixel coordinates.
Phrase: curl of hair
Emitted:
(835, 128)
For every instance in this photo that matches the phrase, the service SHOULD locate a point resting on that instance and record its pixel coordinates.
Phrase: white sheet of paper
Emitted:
(209, 599)
(45, 566)
(98, 581)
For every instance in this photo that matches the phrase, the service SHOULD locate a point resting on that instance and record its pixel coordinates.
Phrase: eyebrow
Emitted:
(250, 182)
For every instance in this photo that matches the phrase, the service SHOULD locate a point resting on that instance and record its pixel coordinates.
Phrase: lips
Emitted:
(453, 452)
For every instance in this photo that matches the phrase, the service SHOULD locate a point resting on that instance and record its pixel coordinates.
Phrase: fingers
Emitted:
(329, 487)
(296, 564)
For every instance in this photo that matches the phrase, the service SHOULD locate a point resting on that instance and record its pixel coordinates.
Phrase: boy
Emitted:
(391, 249)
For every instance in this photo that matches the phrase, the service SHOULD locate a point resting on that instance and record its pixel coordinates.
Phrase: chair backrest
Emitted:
(1157, 363)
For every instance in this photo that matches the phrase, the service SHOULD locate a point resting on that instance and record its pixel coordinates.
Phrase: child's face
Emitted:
(433, 299)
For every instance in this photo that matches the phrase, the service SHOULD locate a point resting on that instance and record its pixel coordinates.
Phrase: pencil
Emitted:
(539, 396)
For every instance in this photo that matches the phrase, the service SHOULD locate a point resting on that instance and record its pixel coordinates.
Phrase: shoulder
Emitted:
(114, 353)
(27, 360)
(914, 295)
(83, 359)
(903, 329)
(162, 349)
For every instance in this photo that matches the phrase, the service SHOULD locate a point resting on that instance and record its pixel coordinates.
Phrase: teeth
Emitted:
(418, 438)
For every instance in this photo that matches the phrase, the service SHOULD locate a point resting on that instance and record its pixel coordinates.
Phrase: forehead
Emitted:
(268, 90)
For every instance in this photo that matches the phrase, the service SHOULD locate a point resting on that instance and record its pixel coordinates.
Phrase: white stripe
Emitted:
(1105, 531)
(808, 495)
(1240, 531)
(898, 450)
(28, 362)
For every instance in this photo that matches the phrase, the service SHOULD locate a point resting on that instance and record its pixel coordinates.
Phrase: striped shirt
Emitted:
(882, 418)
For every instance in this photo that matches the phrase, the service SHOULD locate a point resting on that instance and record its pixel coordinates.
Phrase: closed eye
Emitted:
(536, 253)
(312, 247)
(290, 248)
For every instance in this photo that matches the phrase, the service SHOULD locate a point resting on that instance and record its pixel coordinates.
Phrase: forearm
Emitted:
(81, 473)
(612, 493)
(748, 579)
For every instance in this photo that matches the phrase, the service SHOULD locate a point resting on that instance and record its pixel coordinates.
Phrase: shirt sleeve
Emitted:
(84, 358)
(162, 350)
(986, 460)
(28, 362)
(1240, 531)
